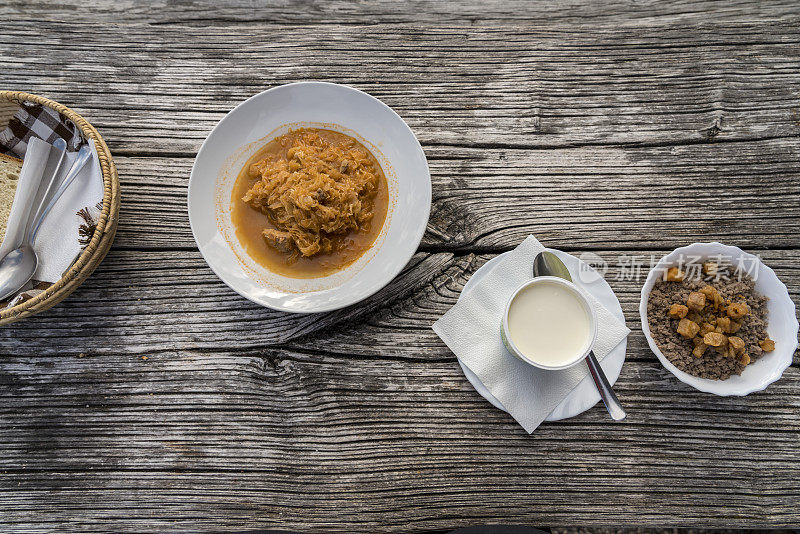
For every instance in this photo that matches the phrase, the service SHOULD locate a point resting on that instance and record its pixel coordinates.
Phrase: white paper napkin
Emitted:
(57, 243)
(471, 329)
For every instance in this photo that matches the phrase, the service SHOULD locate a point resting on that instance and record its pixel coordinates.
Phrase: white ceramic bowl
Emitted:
(782, 324)
(508, 339)
(272, 113)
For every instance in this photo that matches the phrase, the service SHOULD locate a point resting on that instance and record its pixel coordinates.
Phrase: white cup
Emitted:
(586, 347)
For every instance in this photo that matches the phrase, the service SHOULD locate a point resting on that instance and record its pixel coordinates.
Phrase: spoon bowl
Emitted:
(16, 269)
(548, 264)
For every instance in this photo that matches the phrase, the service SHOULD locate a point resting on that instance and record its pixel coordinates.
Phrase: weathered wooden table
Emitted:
(156, 398)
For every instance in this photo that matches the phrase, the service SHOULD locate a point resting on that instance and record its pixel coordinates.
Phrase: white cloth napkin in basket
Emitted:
(58, 243)
(471, 329)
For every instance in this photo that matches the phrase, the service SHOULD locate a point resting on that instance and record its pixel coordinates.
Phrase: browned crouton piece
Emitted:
(714, 339)
(767, 345)
(737, 310)
(699, 350)
(709, 292)
(678, 311)
(687, 328)
(725, 324)
(737, 344)
(705, 328)
(675, 275)
(696, 301)
(694, 317)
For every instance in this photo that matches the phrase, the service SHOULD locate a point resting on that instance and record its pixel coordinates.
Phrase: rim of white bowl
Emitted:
(716, 387)
(417, 239)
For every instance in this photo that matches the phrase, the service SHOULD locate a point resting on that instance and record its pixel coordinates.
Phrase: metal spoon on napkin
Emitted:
(548, 264)
(19, 265)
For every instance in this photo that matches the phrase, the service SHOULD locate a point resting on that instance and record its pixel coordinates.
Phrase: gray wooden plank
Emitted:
(324, 442)
(589, 197)
(186, 304)
(205, 13)
(160, 89)
(171, 302)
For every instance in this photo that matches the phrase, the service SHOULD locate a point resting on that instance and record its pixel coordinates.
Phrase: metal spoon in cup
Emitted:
(548, 264)
(19, 265)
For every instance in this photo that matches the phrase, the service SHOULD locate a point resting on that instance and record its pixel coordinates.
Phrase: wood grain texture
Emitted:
(172, 303)
(360, 12)
(155, 398)
(588, 198)
(491, 84)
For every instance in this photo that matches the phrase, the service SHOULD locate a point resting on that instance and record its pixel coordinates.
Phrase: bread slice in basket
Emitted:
(9, 178)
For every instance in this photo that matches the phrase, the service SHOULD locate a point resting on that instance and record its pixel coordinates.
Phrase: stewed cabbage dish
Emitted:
(309, 203)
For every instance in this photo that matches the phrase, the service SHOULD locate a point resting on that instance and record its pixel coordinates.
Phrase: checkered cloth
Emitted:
(36, 120)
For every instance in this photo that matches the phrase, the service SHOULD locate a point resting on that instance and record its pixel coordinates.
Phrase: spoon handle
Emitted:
(61, 146)
(606, 393)
(83, 156)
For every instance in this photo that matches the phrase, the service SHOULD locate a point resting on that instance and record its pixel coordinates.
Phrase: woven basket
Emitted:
(103, 236)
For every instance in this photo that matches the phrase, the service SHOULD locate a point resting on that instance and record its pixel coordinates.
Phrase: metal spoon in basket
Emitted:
(548, 264)
(19, 265)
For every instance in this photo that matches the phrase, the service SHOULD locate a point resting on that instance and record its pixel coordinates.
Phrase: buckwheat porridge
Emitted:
(711, 325)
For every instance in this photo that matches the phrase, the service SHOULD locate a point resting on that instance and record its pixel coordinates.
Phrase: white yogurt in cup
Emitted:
(549, 323)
